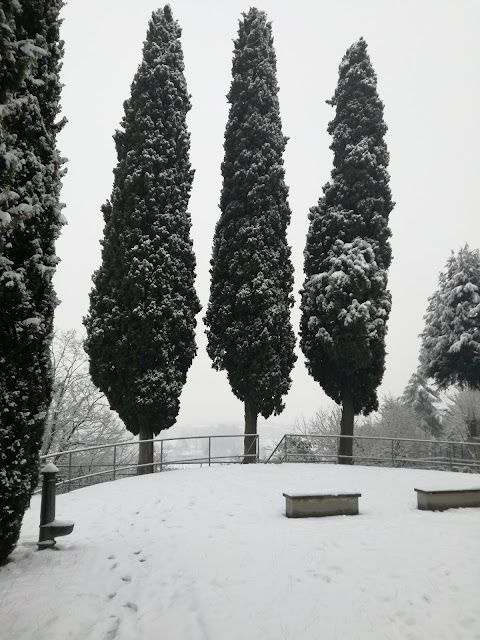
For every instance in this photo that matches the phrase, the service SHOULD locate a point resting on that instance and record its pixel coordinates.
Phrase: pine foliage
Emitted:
(248, 317)
(450, 352)
(423, 399)
(141, 325)
(345, 302)
(30, 221)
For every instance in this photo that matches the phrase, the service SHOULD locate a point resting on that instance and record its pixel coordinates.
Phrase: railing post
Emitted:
(451, 456)
(161, 455)
(209, 449)
(285, 447)
(258, 448)
(69, 470)
(114, 461)
(393, 454)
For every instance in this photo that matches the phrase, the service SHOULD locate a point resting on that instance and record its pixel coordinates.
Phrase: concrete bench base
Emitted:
(447, 499)
(319, 505)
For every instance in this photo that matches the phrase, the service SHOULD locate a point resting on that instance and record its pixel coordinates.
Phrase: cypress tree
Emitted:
(141, 325)
(345, 302)
(31, 216)
(248, 317)
(450, 351)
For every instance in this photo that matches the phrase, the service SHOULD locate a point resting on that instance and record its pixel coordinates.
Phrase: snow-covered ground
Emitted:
(209, 554)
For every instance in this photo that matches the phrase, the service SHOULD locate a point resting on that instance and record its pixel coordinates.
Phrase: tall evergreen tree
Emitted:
(345, 302)
(450, 352)
(248, 317)
(141, 325)
(31, 217)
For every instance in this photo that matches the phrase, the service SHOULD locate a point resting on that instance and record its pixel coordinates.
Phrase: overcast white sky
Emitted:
(427, 61)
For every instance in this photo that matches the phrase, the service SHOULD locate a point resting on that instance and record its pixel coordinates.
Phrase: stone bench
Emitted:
(440, 499)
(314, 505)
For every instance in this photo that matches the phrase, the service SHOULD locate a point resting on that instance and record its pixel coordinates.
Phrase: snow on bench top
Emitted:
(324, 493)
(444, 489)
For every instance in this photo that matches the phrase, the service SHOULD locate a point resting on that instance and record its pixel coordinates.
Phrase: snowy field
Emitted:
(208, 554)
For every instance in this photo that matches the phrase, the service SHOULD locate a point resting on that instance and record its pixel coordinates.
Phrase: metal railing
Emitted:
(378, 450)
(101, 463)
(115, 460)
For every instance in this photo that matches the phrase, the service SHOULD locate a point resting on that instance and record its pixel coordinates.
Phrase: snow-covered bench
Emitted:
(440, 499)
(309, 505)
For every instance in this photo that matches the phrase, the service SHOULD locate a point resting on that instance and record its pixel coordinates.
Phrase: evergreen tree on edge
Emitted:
(248, 318)
(345, 302)
(450, 351)
(422, 398)
(141, 324)
(30, 221)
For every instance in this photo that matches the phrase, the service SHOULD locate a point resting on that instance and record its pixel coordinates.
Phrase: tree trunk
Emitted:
(473, 430)
(145, 451)
(249, 443)
(345, 447)
(472, 426)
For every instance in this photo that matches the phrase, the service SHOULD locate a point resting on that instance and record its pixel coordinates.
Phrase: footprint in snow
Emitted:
(323, 576)
(131, 605)
(335, 568)
(127, 578)
(142, 559)
(112, 633)
(111, 596)
(114, 565)
(111, 557)
(136, 553)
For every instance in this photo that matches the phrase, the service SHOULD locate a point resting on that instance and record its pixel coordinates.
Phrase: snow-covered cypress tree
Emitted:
(345, 302)
(17, 54)
(31, 216)
(248, 317)
(422, 398)
(141, 325)
(450, 352)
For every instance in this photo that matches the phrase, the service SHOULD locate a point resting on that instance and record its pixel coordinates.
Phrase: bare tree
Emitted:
(79, 414)
(462, 417)
(325, 422)
(395, 419)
